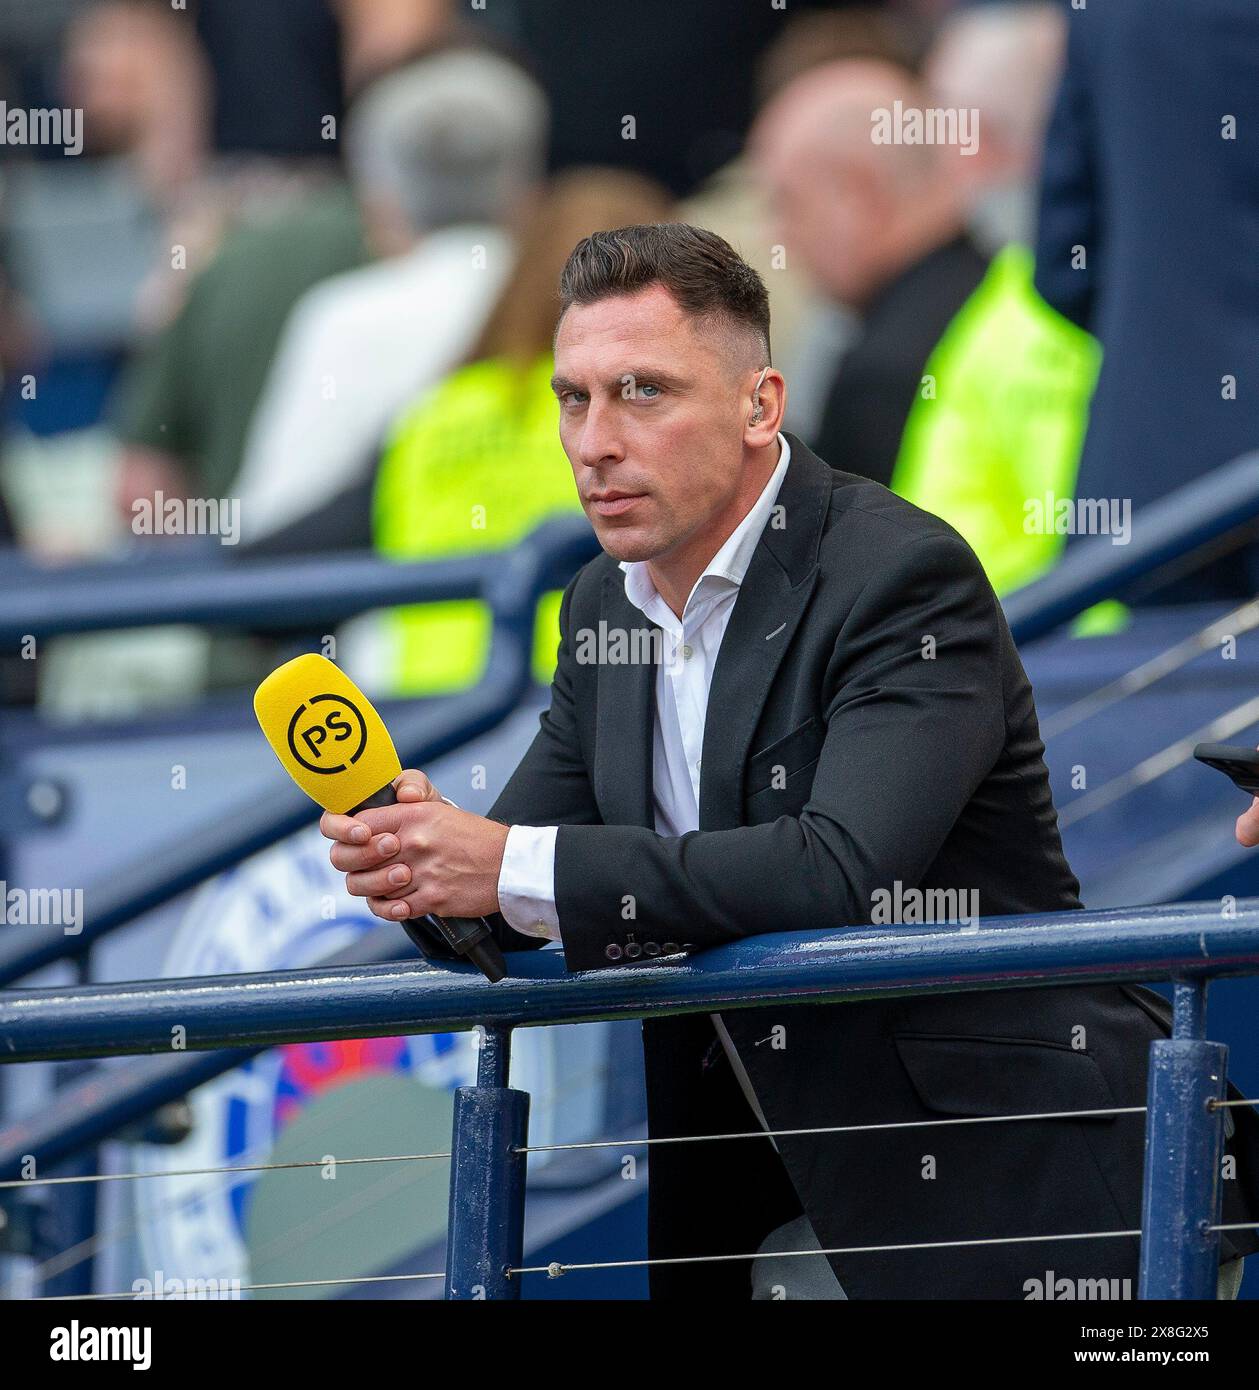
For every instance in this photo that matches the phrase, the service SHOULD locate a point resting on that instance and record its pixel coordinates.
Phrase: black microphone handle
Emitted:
(470, 937)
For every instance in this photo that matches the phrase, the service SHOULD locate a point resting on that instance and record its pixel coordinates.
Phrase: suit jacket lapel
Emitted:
(771, 602)
(625, 723)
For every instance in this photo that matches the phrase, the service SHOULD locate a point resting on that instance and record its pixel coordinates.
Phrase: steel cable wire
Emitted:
(1159, 764)
(1148, 673)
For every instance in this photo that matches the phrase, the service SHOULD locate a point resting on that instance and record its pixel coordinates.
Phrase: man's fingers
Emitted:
(1248, 826)
(356, 858)
(396, 909)
(412, 785)
(347, 829)
(387, 881)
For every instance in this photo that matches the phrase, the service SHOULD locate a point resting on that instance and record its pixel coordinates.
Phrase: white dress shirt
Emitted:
(526, 883)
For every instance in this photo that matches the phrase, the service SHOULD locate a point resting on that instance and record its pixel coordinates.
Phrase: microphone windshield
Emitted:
(325, 732)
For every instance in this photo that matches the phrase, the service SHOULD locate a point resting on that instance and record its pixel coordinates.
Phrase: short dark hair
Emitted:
(701, 270)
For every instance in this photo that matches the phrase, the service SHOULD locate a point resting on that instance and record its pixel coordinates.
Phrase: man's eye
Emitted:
(648, 387)
(572, 397)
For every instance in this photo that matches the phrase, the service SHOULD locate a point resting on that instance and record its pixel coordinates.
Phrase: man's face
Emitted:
(652, 413)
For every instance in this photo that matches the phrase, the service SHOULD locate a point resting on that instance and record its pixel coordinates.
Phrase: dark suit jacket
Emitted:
(1139, 173)
(841, 757)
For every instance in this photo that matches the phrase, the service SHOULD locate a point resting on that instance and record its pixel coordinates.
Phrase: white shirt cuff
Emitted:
(526, 881)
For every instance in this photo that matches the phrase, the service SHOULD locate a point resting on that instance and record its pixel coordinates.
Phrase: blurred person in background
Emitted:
(89, 241)
(1149, 238)
(1003, 58)
(444, 155)
(211, 315)
(810, 331)
(1001, 414)
(477, 464)
(881, 229)
(184, 404)
(221, 109)
(135, 69)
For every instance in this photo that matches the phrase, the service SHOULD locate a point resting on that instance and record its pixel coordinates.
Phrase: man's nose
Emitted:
(600, 442)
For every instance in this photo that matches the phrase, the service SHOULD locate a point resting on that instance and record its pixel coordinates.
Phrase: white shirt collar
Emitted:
(732, 560)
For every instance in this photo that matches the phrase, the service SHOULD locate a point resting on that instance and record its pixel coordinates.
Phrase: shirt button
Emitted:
(688, 652)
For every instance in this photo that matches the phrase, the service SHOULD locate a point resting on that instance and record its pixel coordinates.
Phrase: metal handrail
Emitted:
(1188, 943)
(320, 1003)
(282, 594)
(1183, 521)
(99, 1105)
(94, 1109)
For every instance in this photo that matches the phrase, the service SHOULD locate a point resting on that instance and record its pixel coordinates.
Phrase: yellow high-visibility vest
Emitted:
(475, 465)
(997, 427)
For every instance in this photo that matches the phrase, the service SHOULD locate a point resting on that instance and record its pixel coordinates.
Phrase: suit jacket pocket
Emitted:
(780, 760)
(1001, 1076)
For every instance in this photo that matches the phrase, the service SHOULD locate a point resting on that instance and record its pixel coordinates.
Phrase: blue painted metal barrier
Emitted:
(1184, 1141)
(1224, 503)
(291, 594)
(485, 1233)
(1186, 943)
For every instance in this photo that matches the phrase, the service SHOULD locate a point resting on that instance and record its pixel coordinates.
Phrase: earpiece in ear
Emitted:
(757, 409)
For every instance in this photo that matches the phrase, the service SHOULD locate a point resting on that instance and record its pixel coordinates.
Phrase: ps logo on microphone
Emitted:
(327, 734)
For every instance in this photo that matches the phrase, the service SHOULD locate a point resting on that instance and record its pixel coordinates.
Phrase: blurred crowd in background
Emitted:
(307, 260)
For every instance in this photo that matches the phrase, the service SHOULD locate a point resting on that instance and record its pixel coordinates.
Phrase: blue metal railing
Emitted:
(1187, 520)
(292, 594)
(1187, 943)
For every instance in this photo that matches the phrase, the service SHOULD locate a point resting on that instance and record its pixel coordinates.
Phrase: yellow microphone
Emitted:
(333, 744)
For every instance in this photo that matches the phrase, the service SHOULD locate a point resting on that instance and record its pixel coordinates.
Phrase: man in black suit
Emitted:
(786, 699)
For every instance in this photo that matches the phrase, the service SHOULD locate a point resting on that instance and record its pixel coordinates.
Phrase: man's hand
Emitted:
(1248, 826)
(419, 856)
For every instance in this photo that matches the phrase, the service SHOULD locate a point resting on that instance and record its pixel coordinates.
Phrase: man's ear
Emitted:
(769, 397)
(758, 410)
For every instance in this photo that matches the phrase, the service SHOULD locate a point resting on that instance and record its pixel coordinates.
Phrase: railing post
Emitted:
(1183, 1141)
(485, 1235)
(73, 1208)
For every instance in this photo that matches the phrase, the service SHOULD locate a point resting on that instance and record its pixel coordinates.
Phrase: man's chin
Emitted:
(625, 543)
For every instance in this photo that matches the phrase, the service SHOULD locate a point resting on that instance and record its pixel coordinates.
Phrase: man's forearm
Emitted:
(624, 891)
